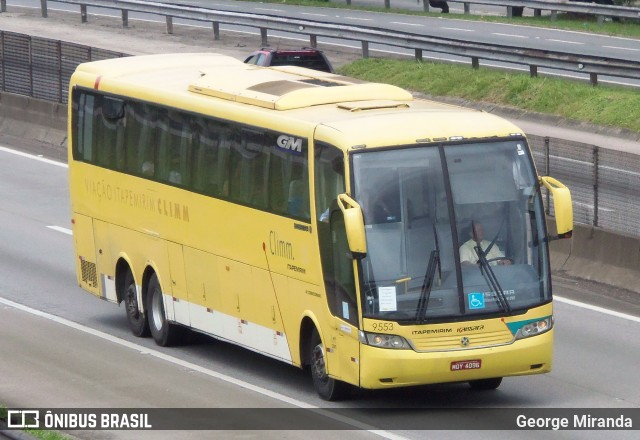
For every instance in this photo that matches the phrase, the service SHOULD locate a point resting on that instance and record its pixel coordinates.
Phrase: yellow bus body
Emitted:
(251, 277)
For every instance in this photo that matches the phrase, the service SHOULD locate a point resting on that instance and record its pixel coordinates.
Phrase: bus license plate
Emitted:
(466, 365)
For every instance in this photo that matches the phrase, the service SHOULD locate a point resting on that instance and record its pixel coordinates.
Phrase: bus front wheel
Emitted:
(164, 333)
(137, 319)
(326, 387)
(485, 384)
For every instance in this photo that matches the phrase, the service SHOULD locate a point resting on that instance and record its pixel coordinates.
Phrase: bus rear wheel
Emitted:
(137, 319)
(326, 387)
(485, 384)
(164, 333)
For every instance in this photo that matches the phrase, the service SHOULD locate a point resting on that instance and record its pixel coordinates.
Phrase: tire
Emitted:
(164, 333)
(326, 387)
(485, 384)
(137, 319)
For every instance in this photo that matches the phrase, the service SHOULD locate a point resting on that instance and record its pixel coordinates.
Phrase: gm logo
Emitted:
(290, 143)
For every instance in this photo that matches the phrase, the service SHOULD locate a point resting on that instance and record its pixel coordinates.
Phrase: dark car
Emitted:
(305, 57)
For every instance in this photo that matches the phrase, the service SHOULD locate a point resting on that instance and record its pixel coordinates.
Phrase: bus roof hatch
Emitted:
(286, 90)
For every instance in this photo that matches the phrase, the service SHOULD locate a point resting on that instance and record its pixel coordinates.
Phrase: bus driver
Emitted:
(469, 254)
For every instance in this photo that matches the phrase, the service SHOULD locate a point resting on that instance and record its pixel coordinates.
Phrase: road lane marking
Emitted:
(457, 29)
(359, 18)
(565, 42)
(313, 14)
(194, 367)
(407, 24)
(622, 48)
(34, 157)
(596, 309)
(61, 229)
(508, 35)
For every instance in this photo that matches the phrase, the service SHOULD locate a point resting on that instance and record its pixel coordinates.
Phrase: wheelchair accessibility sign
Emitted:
(476, 300)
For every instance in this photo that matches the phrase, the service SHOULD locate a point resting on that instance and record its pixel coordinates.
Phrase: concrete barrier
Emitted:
(598, 255)
(33, 119)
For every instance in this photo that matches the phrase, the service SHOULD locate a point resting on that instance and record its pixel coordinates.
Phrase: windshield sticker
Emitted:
(520, 150)
(476, 300)
(387, 299)
(345, 310)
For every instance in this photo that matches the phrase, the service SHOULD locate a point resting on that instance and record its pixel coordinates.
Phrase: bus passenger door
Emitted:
(338, 267)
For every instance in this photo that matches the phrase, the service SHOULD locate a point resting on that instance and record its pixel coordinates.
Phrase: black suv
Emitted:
(305, 57)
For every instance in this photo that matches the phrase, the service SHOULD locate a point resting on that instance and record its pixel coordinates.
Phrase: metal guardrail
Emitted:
(534, 58)
(605, 184)
(555, 6)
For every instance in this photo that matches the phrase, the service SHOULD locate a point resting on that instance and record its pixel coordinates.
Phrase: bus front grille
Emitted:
(462, 341)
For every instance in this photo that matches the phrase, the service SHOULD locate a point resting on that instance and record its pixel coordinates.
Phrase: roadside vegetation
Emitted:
(604, 105)
(572, 22)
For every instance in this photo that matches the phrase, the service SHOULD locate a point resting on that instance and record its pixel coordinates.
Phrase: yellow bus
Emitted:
(314, 218)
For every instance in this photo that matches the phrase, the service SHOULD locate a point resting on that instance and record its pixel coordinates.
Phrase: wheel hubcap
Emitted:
(132, 303)
(157, 311)
(318, 365)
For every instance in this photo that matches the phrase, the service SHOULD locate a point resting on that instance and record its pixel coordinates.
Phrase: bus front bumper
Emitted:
(388, 368)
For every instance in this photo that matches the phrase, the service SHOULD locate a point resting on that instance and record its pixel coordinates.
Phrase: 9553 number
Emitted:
(382, 326)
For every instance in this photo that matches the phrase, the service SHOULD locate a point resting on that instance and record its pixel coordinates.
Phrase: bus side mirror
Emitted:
(562, 205)
(354, 224)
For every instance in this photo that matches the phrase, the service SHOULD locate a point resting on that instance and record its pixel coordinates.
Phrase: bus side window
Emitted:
(83, 141)
(99, 135)
(140, 139)
(248, 172)
(206, 141)
(329, 176)
(174, 148)
(109, 132)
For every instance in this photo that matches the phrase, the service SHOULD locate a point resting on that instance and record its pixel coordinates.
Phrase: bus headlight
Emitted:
(381, 340)
(535, 328)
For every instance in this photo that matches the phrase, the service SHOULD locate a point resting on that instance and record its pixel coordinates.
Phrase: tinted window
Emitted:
(247, 165)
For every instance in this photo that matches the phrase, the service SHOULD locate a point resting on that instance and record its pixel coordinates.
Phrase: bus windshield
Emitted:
(453, 231)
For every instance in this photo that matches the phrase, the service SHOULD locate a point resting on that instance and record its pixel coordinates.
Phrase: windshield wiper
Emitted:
(421, 311)
(492, 280)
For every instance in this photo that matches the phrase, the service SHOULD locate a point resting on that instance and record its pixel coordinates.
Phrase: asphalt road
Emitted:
(60, 346)
(81, 353)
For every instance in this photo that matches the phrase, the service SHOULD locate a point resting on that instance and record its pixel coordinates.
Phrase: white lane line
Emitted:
(34, 157)
(596, 309)
(565, 42)
(313, 14)
(185, 364)
(269, 10)
(407, 24)
(359, 18)
(458, 29)
(61, 229)
(622, 48)
(509, 35)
